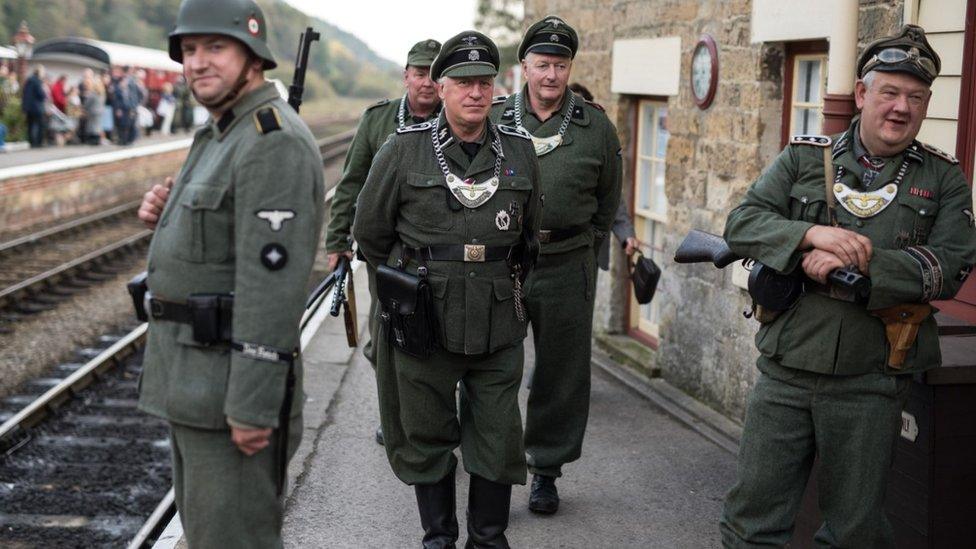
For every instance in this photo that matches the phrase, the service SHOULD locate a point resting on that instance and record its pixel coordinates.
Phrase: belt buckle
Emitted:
(544, 236)
(474, 253)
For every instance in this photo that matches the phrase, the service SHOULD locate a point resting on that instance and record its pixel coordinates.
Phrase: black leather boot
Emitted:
(544, 499)
(438, 513)
(488, 506)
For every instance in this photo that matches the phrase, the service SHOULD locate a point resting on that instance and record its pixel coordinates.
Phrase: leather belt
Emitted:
(476, 253)
(548, 236)
(168, 310)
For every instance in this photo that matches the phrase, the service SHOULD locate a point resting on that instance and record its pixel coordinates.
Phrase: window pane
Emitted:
(645, 173)
(806, 121)
(808, 81)
(662, 132)
(647, 130)
(660, 200)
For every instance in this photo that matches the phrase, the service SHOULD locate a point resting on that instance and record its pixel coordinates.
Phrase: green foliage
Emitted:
(14, 119)
(502, 20)
(360, 71)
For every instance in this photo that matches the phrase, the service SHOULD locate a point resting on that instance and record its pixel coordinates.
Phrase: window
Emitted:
(650, 202)
(809, 87)
(804, 88)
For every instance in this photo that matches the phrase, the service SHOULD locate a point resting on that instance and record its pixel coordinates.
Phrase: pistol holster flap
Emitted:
(397, 290)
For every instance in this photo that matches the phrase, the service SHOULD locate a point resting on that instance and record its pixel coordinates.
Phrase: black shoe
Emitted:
(544, 498)
(438, 513)
(379, 435)
(488, 507)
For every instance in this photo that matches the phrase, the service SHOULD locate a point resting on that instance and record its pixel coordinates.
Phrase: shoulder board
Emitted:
(499, 99)
(512, 130)
(378, 104)
(596, 106)
(940, 153)
(416, 127)
(815, 140)
(267, 120)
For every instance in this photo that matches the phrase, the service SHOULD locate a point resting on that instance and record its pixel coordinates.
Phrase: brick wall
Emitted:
(42, 199)
(713, 155)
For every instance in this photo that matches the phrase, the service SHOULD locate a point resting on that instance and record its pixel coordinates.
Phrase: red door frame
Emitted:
(963, 306)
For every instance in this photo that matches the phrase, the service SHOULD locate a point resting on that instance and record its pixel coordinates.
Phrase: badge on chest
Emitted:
(469, 192)
(867, 203)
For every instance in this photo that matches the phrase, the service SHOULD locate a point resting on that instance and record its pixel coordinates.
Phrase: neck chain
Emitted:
(545, 145)
(401, 114)
(469, 192)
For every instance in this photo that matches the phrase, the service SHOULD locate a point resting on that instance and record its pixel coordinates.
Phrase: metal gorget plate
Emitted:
(867, 203)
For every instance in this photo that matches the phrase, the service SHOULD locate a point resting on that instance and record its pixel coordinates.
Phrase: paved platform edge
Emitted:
(698, 417)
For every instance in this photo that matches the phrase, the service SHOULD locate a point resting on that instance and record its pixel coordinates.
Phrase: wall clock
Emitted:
(704, 71)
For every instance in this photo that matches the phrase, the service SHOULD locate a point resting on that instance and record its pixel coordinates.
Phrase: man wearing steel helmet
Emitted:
(419, 104)
(873, 199)
(228, 267)
(579, 155)
(455, 200)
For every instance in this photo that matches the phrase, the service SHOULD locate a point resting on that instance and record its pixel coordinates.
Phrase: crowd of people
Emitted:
(99, 108)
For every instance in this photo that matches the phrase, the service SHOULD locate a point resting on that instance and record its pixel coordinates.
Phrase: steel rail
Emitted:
(33, 238)
(54, 397)
(8, 294)
(334, 146)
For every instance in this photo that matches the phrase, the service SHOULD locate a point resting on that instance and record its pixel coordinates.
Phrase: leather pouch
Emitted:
(407, 308)
(645, 275)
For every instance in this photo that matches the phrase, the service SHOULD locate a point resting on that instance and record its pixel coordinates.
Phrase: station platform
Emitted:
(645, 480)
(27, 157)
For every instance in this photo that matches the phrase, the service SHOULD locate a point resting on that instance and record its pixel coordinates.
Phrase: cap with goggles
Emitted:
(908, 51)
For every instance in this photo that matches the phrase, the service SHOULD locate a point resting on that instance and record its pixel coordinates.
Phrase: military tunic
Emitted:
(243, 217)
(825, 387)
(406, 202)
(581, 188)
(376, 124)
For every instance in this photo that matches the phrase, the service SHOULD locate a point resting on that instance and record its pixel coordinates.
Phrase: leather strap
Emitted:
(829, 185)
(549, 236)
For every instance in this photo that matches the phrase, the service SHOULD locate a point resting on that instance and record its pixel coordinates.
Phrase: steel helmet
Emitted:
(240, 19)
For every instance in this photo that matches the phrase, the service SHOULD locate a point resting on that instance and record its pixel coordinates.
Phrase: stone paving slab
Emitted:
(645, 480)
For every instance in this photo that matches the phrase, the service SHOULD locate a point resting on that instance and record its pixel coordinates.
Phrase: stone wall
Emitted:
(44, 198)
(713, 155)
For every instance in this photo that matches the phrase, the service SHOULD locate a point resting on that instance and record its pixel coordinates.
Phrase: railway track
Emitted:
(80, 466)
(44, 267)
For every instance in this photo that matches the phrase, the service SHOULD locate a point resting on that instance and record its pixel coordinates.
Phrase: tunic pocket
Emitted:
(506, 329)
(810, 205)
(425, 202)
(206, 230)
(916, 216)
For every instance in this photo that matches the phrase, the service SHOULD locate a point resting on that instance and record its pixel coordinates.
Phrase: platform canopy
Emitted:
(7, 53)
(98, 54)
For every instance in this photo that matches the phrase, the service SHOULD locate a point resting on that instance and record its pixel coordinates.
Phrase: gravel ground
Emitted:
(39, 341)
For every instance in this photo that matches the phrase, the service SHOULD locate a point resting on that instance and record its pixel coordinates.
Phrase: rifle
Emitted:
(339, 298)
(770, 289)
(297, 87)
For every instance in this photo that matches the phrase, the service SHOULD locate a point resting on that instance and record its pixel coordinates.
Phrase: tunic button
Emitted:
(474, 240)
(196, 201)
(921, 212)
(803, 199)
(471, 274)
(859, 223)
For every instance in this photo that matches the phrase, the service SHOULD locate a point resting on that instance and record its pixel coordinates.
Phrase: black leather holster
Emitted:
(407, 308)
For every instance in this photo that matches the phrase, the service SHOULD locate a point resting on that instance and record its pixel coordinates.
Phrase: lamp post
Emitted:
(24, 46)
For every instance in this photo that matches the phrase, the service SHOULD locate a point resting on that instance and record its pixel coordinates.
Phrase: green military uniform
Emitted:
(825, 386)
(377, 123)
(243, 218)
(581, 189)
(407, 204)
